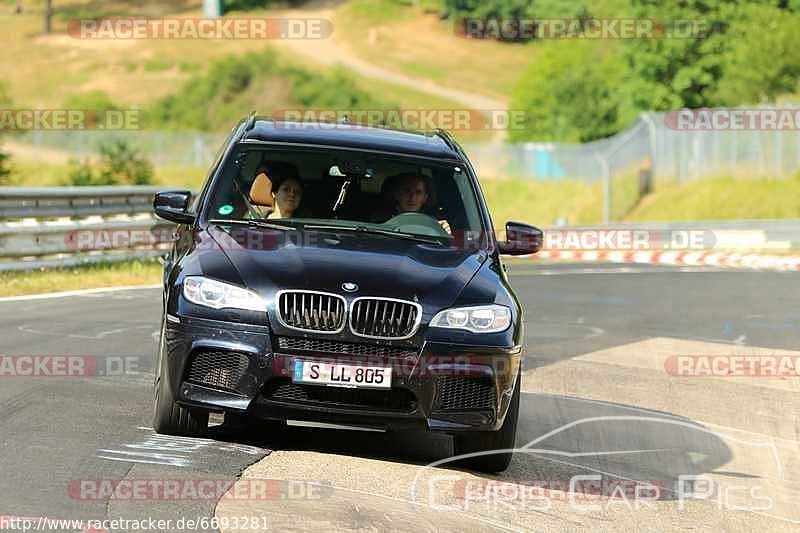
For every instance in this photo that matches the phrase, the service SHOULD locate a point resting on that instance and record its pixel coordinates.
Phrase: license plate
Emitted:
(342, 375)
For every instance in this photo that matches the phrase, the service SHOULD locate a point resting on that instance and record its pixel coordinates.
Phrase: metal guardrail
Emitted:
(46, 227)
(49, 227)
(41, 202)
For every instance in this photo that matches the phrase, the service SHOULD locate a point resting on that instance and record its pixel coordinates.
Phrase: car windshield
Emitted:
(395, 196)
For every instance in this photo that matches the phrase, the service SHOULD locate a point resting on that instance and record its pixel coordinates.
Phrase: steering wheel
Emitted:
(418, 223)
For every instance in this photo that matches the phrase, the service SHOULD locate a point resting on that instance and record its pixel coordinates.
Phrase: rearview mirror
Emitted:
(172, 205)
(351, 169)
(521, 239)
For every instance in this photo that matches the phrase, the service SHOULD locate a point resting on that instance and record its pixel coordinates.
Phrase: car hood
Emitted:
(271, 260)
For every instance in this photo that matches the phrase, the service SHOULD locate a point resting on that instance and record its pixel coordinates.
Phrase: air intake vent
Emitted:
(463, 394)
(306, 346)
(311, 311)
(381, 318)
(218, 369)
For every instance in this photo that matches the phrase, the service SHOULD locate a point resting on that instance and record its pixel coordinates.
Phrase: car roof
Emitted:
(436, 144)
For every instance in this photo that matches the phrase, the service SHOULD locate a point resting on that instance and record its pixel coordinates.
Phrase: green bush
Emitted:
(119, 165)
(81, 173)
(209, 100)
(5, 169)
(245, 5)
(574, 92)
(95, 100)
(335, 90)
(123, 164)
(203, 101)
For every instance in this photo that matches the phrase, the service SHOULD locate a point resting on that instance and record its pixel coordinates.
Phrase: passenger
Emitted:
(277, 191)
(287, 193)
(410, 192)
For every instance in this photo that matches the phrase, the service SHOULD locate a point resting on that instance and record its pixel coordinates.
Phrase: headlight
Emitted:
(479, 319)
(219, 295)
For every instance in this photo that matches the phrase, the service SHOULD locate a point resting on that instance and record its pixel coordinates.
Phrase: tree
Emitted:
(759, 66)
(5, 169)
(575, 91)
(711, 67)
(48, 16)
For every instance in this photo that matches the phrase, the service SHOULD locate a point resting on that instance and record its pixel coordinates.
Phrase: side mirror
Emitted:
(521, 239)
(172, 205)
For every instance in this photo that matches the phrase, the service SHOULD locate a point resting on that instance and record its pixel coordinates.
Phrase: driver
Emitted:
(409, 192)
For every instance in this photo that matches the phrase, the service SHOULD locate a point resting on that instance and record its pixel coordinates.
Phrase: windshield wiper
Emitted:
(256, 223)
(374, 231)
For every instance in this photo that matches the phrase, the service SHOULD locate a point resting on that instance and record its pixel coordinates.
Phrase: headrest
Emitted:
(261, 190)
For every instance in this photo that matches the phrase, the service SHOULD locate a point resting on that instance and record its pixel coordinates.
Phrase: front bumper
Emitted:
(442, 386)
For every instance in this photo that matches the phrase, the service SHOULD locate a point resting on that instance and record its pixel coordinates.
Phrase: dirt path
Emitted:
(331, 52)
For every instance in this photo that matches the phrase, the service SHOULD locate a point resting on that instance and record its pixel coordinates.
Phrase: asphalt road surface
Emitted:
(600, 413)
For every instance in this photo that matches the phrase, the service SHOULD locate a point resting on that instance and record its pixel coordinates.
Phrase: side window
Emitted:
(229, 201)
(195, 203)
(469, 205)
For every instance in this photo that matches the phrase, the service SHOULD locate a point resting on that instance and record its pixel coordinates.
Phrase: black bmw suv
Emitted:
(338, 275)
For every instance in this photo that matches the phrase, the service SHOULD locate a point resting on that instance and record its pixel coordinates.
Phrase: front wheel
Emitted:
(170, 418)
(487, 441)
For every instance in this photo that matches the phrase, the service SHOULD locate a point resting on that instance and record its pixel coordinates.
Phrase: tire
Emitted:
(484, 441)
(170, 418)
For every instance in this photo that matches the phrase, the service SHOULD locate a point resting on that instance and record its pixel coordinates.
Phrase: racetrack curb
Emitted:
(781, 263)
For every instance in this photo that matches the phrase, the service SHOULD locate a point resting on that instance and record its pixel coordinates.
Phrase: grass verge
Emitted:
(27, 173)
(80, 277)
(542, 203)
(721, 199)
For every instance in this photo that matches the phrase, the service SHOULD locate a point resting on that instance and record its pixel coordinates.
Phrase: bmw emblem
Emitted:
(349, 287)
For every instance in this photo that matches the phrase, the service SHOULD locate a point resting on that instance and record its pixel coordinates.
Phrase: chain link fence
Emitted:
(192, 149)
(651, 152)
(625, 166)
